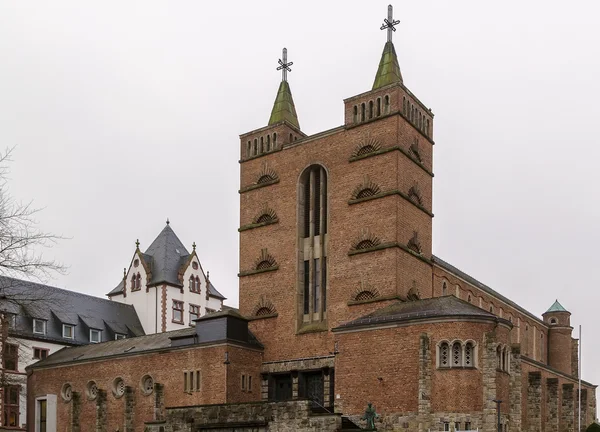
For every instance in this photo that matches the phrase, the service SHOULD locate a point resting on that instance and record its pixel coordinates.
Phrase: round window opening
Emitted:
(136, 263)
(195, 265)
(118, 387)
(92, 390)
(553, 321)
(147, 384)
(67, 392)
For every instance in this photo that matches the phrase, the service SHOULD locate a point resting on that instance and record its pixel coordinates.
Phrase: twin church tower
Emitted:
(336, 218)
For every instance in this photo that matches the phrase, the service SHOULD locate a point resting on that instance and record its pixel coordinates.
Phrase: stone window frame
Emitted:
(192, 381)
(246, 382)
(194, 307)
(177, 306)
(118, 387)
(144, 385)
(66, 392)
(503, 357)
(462, 356)
(91, 390)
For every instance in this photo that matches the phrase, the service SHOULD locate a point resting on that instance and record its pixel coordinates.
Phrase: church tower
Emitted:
(336, 224)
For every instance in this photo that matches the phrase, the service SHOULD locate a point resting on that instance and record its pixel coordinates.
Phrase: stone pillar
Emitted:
(75, 412)
(591, 406)
(101, 411)
(129, 401)
(534, 402)
(264, 387)
(567, 416)
(425, 370)
(488, 367)
(294, 385)
(552, 405)
(584, 414)
(327, 399)
(159, 402)
(575, 357)
(515, 388)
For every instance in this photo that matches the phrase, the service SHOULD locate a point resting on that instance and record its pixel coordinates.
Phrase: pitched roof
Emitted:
(388, 71)
(438, 307)
(470, 279)
(556, 307)
(136, 345)
(212, 291)
(284, 108)
(166, 253)
(58, 306)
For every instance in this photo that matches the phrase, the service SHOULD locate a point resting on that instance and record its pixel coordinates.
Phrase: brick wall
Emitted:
(219, 383)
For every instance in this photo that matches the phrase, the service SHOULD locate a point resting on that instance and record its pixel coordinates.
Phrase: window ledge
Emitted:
(255, 272)
(389, 193)
(257, 225)
(313, 328)
(258, 185)
(259, 317)
(389, 149)
(387, 246)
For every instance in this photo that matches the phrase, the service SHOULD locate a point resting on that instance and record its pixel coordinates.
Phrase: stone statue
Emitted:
(370, 416)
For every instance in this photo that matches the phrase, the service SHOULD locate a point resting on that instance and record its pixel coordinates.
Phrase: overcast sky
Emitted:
(126, 113)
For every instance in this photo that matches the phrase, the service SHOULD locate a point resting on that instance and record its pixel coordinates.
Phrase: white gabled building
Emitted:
(166, 285)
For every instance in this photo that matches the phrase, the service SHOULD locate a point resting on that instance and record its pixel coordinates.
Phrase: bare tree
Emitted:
(21, 245)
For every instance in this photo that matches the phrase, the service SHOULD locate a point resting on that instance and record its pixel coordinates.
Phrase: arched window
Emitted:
(444, 288)
(404, 105)
(249, 149)
(386, 104)
(378, 107)
(191, 283)
(262, 145)
(444, 360)
(274, 141)
(255, 146)
(456, 354)
(197, 284)
(291, 138)
(133, 282)
(362, 112)
(553, 321)
(312, 232)
(138, 281)
(355, 114)
(370, 109)
(427, 130)
(469, 361)
(268, 143)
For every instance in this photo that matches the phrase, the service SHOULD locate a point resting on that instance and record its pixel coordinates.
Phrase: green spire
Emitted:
(556, 307)
(389, 69)
(283, 108)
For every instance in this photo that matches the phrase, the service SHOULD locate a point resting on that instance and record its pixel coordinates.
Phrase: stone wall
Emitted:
(534, 402)
(260, 416)
(552, 405)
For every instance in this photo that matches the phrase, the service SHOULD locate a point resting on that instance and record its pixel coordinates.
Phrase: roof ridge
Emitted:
(76, 293)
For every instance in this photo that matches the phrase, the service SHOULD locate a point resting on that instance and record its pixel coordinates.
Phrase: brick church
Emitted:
(342, 304)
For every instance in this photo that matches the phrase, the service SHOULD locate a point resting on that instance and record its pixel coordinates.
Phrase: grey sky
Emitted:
(126, 113)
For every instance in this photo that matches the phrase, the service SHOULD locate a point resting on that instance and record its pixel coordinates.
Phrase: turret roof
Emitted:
(389, 69)
(283, 108)
(556, 307)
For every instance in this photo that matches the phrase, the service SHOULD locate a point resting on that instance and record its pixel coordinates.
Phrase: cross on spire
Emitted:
(284, 66)
(389, 23)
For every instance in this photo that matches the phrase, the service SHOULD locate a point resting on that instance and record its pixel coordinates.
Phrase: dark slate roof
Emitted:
(116, 290)
(130, 346)
(166, 253)
(212, 291)
(438, 307)
(28, 300)
(470, 279)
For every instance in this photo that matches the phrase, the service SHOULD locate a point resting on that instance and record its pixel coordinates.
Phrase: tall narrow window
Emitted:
(355, 114)
(456, 354)
(10, 357)
(362, 112)
(274, 141)
(444, 360)
(312, 213)
(177, 312)
(444, 288)
(138, 281)
(386, 105)
(249, 149)
(255, 146)
(370, 109)
(469, 354)
(378, 107)
(404, 105)
(42, 409)
(11, 406)
(262, 145)
(268, 143)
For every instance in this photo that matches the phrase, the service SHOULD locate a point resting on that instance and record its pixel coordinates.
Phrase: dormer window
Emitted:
(119, 336)
(95, 336)
(39, 326)
(68, 331)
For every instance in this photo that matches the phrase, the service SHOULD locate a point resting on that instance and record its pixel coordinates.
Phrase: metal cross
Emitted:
(389, 24)
(284, 66)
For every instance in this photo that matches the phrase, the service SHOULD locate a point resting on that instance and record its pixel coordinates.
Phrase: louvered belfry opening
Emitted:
(312, 239)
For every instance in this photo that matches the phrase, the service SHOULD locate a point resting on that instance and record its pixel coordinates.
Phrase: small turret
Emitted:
(559, 337)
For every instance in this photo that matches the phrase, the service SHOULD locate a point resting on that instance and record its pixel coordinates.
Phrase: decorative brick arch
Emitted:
(366, 189)
(365, 240)
(266, 175)
(366, 146)
(264, 307)
(267, 215)
(264, 261)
